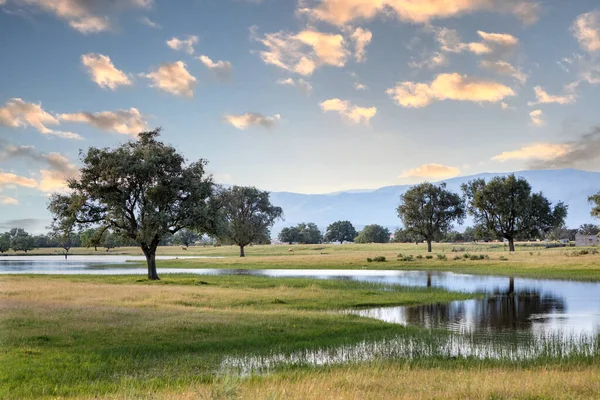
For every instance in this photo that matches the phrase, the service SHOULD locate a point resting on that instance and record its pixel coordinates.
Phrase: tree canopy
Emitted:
(245, 215)
(429, 211)
(307, 233)
(340, 231)
(588, 229)
(373, 234)
(20, 240)
(506, 208)
(142, 190)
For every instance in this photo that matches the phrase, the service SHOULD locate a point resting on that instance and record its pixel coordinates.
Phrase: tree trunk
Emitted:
(150, 254)
(511, 245)
(429, 246)
(242, 254)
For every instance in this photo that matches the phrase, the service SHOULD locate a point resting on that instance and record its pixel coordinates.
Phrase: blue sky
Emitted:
(310, 96)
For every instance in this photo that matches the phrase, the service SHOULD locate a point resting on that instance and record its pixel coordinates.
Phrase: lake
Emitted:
(531, 306)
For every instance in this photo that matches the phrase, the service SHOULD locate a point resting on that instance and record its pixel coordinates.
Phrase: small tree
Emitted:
(429, 211)
(588, 229)
(142, 190)
(185, 237)
(4, 242)
(62, 232)
(340, 231)
(246, 214)
(373, 234)
(20, 240)
(506, 208)
(92, 238)
(289, 235)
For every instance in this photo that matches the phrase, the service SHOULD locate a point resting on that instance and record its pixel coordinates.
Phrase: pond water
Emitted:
(531, 306)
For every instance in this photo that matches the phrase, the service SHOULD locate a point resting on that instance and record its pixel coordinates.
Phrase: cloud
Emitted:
(244, 121)
(431, 61)
(451, 42)
(17, 113)
(353, 113)
(86, 16)
(542, 97)
(304, 86)
(127, 122)
(343, 12)
(103, 72)
(304, 51)
(55, 171)
(10, 179)
(537, 151)
(173, 78)
(502, 39)
(221, 68)
(360, 86)
(586, 67)
(8, 201)
(186, 45)
(431, 171)
(536, 118)
(586, 30)
(148, 22)
(504, 106)
(448, 87)
(505, 68)
(361, 38)
(574, 153)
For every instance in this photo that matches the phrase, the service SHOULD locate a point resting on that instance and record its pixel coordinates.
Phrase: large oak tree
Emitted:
(142, 190)
(429, 210)
(506, 207)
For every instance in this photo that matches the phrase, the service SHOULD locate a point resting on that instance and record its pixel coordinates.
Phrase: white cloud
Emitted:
(343, 12)
(431, 61)
(360, 86)
(304, 51)
(542, 97)
(448, 87)
(103, 72)
(304, 86)
(361, 37)
(221, 68)
(148, 22)
(55, 178)
(537, 151)
(186, 45)
(127, 122)
(505, 68)
(353, 113)
(537, 118)
(7, 200)
(86, 16)
(586, 30)
(431, 171)
(17, 113)
(244, 121)
(173, 78)
(10, 180)
(502, 39)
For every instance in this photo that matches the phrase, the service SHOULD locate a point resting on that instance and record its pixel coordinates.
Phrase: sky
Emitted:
(307, 96)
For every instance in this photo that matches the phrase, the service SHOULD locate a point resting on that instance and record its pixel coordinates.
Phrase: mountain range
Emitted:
(378, 206)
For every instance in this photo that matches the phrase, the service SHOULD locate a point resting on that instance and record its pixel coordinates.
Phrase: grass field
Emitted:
(126, 337)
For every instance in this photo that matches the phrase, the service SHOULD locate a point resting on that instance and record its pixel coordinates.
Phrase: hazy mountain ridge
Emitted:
(378, 206)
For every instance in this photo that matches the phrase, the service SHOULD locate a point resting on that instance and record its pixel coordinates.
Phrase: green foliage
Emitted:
(245, 215)
(185, 237)
(91, 237)
(373, 234)
(595, 200)
(404, 236)
(588, 229)
(340, 231)
(142, 190)
(379, 259)
(506, 207)
(20, 240)
(429, 211)
(307, 233)
(4, 242)
(442, 257)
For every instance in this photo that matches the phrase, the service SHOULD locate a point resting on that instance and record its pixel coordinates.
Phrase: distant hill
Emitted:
(364, 207)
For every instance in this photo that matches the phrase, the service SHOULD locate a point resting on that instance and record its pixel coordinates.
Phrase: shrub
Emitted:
(369, 259)
(407, 258)
(429, 257)
(458, 249)
(502, 258)
(442, 257)
(379, 259)
(457, 257)
(466, 256)
(419, 257)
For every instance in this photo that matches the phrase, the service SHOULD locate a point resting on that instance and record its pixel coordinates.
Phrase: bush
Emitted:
(442, 257)
(419, 257)
(458, 249)
(407, 258)
(379, 259)
(369, 259)
(457, 257)
(429, 257)
(502, 258)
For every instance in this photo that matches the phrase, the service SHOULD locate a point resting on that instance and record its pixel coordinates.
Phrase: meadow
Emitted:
(180, 337)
